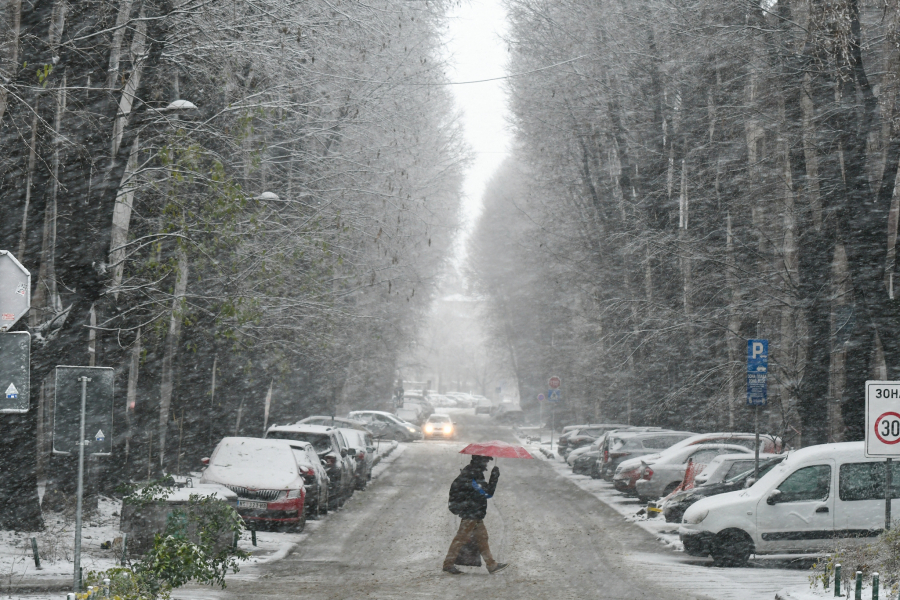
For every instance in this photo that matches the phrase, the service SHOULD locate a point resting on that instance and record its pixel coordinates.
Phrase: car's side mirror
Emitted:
(773, 497)
(343, 452)
(205, 460)
(370, 449)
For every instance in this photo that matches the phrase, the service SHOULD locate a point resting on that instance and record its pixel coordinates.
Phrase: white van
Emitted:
(816, 496)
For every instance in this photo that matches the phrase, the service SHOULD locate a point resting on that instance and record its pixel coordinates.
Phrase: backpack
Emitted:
(456, 501)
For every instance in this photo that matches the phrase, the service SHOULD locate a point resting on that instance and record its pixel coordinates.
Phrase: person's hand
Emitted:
(495, 473)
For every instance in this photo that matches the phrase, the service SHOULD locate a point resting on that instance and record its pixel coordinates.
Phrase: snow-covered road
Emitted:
(389, 541)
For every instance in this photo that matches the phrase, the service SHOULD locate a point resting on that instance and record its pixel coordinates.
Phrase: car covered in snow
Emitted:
(629, 471)
(660, 476)
(817, 497)
(633, 443)
(332, 451)
(266, 478)
(362, 451)
(674, 506)
(314, 477)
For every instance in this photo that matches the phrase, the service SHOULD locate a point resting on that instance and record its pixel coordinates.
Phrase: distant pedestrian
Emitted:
(469, 494)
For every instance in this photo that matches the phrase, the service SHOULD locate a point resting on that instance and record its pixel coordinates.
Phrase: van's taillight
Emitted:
(606, 456)
(647, 473)
(361, 456)
(307, 471)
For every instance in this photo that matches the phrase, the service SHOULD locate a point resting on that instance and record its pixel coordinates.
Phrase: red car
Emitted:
(265, 476)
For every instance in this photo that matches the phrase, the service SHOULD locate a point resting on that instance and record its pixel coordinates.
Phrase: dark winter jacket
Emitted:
(469, 492)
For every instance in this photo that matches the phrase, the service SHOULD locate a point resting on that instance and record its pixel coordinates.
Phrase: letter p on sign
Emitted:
(757, 350)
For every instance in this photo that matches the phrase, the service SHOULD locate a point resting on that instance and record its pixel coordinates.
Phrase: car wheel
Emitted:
(323, 506)
(731, 548)
(300, 525)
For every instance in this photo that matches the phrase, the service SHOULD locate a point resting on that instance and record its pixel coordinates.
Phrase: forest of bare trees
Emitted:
(215, 198)
(699, 173)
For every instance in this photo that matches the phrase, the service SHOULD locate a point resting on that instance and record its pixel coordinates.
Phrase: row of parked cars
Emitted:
(296, 472)
(798, 501)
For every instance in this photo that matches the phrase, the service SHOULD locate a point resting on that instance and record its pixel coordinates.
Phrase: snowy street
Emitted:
(562, 541)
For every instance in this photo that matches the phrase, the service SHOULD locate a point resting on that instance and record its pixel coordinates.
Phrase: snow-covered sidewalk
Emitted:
(20, 579)
(761, 581)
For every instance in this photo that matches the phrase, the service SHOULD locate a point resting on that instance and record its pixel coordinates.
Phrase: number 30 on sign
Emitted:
(883, 419)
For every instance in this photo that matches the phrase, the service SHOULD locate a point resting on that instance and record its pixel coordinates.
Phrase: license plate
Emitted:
(251, 504)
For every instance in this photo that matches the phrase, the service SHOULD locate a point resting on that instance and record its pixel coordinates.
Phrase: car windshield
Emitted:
(321, 442)
(764, 467)
(438, 419)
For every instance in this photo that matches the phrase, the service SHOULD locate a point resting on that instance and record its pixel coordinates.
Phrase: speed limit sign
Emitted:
(883, 419)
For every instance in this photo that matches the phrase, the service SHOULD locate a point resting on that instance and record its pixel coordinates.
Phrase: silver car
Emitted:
(726, 466)
(660, 476)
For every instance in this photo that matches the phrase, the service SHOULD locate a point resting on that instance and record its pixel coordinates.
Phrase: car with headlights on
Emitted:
(439, 426)
(266, 478)
(673, 508)
(662, 475)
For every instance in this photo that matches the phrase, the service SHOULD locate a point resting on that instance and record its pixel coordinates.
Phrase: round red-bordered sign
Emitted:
(554, 382)
(878, 433)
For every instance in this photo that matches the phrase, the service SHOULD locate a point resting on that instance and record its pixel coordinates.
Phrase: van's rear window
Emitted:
(865, 481)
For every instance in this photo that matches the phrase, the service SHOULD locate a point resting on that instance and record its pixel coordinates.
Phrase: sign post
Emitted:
(541, 399)
(94, 431)
(883, 432)
(553, 397)
(757, 391)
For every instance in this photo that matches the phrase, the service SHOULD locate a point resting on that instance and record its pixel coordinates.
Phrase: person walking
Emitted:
(469, 494)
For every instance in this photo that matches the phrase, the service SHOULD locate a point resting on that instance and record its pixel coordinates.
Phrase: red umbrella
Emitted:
(497, 449)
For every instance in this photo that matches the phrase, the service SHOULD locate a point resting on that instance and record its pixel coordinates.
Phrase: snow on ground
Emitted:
(760, 581)
(56, 544)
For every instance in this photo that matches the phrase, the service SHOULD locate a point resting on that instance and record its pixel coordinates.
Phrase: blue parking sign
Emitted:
(757, 372)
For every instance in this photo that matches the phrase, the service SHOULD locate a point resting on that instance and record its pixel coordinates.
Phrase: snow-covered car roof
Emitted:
(305, 427)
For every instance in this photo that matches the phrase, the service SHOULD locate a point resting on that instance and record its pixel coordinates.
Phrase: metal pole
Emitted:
(756, 427)
(552, 426)
(80, 490)
(888, 483)
(756, 451)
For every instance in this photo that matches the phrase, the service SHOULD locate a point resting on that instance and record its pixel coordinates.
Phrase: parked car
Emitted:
(584, 435)
(439, 426)
(331, 450)
(362, 450)
(673, 509)
(410, 413)
(629, 471)
(327, 421)
(584, 458)
(622, 445)
(818, 497)
(662, 475)
(420, 403)
(484, 407)
(726, 466)
(462, 399)
(387, 426)
(266, 478)
(315, 478)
